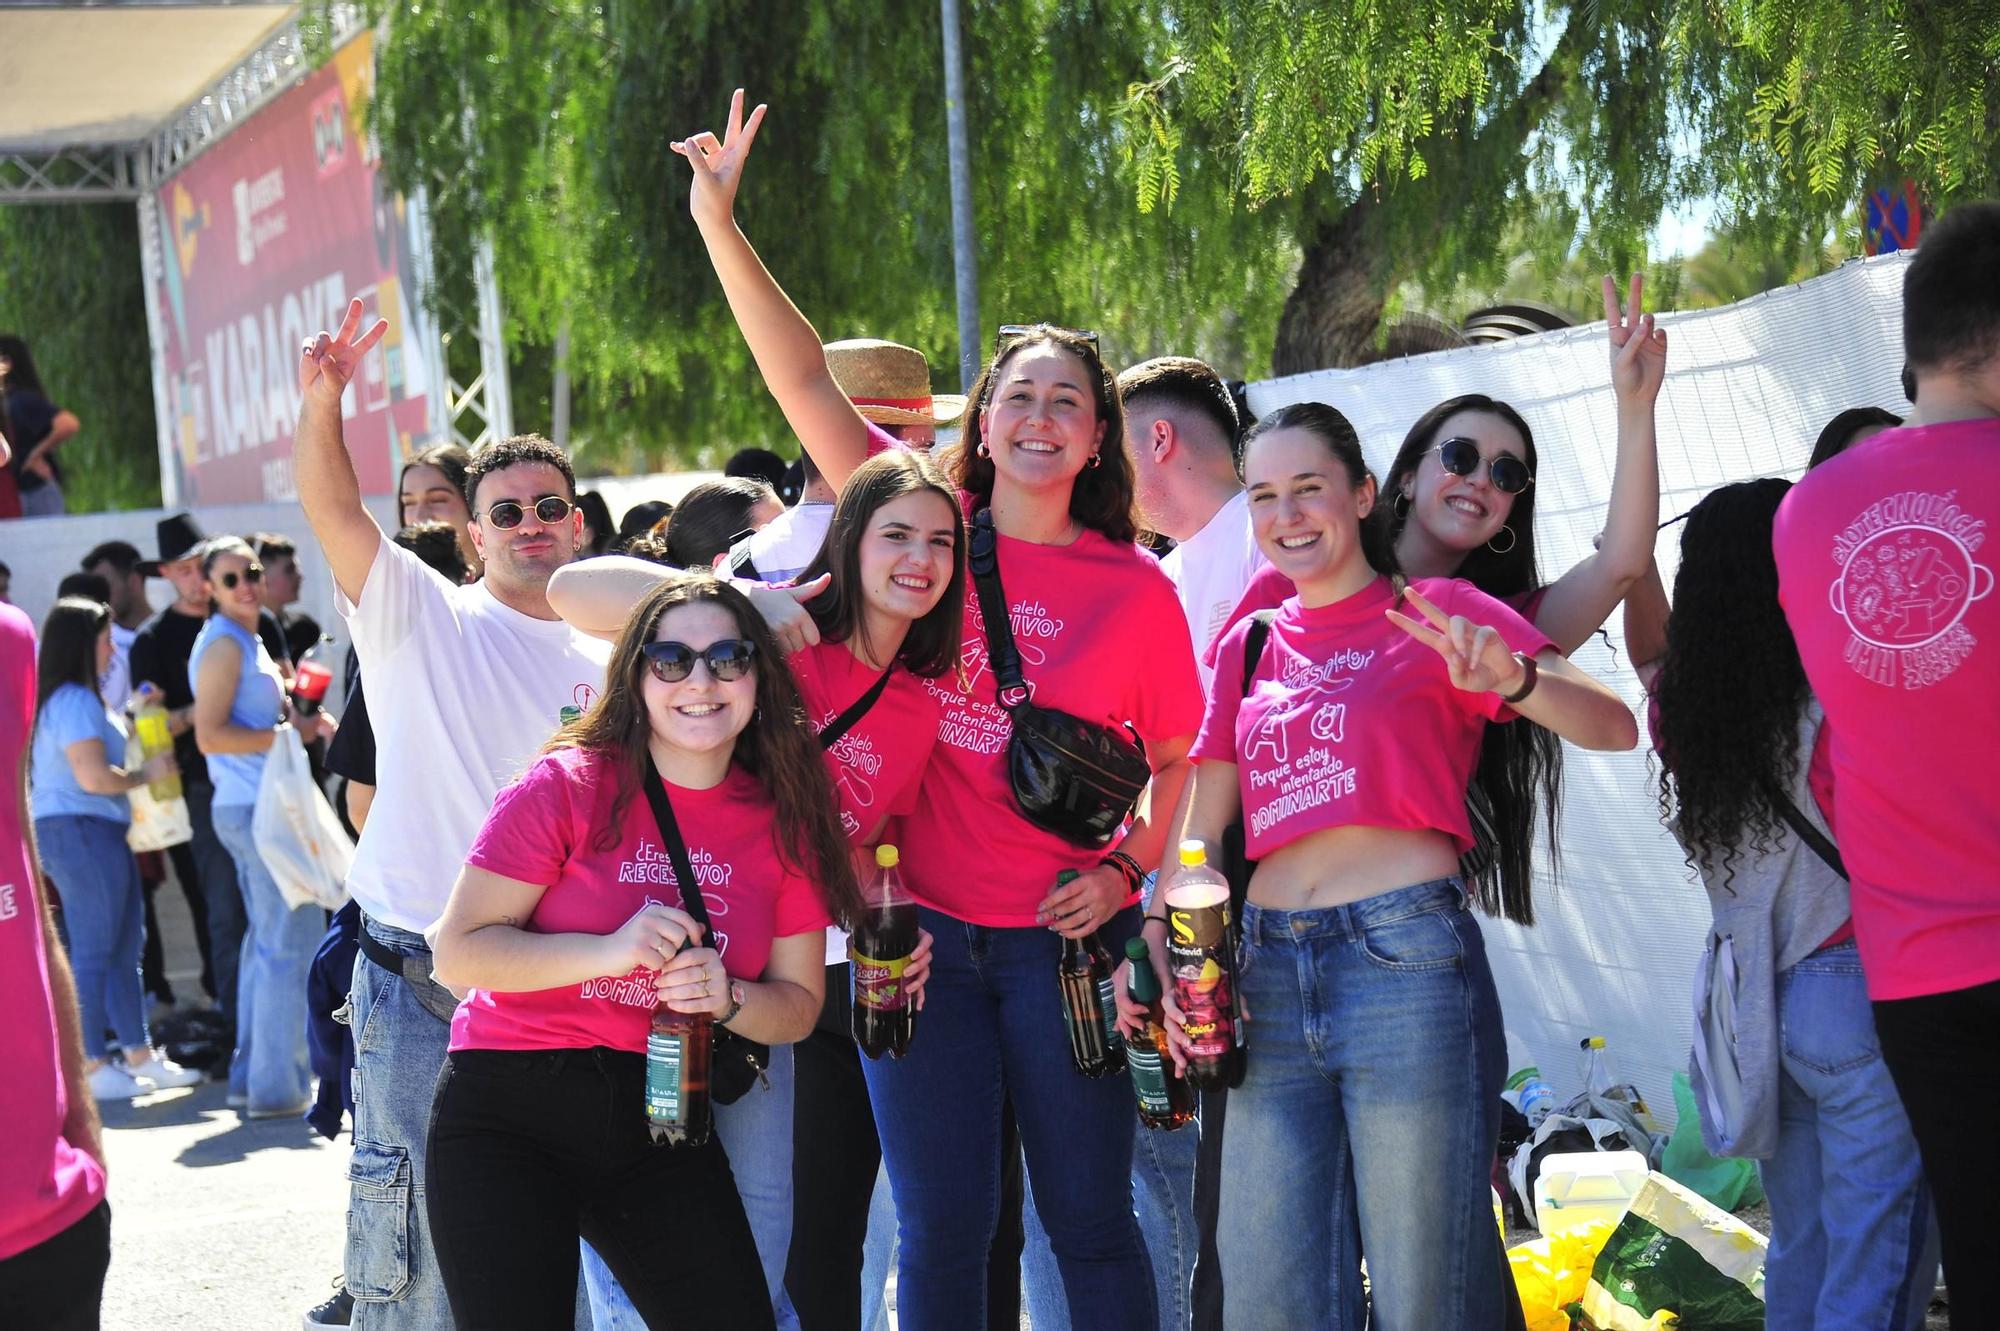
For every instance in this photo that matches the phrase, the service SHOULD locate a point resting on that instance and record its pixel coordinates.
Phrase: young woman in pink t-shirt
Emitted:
(1375, 1053)
(1101, 636)
(566, 926)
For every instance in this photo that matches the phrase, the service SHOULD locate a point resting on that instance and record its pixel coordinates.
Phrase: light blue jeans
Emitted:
(1366, 1118)
(1853, 1243)
(399, 1049)
(271, 1067)
(104, 923)
(756, 1131)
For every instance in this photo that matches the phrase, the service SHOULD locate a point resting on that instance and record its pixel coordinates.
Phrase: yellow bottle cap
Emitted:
(886, 856)
(1193, 852)
(1594, 1042)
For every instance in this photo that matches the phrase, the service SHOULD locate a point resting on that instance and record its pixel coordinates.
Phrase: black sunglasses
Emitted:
(549, 510)
(252, 575)
(1023, 330)
(727, 660)
(1460, 456)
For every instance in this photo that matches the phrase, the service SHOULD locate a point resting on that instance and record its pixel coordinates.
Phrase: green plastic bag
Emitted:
(1675, 1260)
(1730, 1184)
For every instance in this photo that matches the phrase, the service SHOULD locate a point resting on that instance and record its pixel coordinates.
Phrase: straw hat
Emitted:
(890, 383)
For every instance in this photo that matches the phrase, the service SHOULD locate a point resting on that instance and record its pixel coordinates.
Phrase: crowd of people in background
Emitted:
(1366, 680)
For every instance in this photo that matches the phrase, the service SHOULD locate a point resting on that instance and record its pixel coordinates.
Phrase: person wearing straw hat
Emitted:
(890, 386)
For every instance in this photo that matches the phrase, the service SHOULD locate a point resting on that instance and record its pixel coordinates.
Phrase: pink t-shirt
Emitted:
(543, 830)
(1102, 636)
(1351, 722)
(1889, 592)
(878, 764)
(46, 1184)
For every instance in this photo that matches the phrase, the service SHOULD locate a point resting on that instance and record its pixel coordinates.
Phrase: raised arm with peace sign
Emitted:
(328, 490)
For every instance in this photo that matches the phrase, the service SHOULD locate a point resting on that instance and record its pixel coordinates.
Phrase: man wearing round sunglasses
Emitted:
(465, 684)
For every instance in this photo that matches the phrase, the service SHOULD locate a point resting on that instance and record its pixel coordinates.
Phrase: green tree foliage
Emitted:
(71, 285)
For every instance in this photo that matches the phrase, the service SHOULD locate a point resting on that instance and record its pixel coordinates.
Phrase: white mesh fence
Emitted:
(1748, 388)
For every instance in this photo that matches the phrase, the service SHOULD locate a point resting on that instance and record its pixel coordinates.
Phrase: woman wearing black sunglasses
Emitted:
(566, 927)
(1101, 636)
(239, 702)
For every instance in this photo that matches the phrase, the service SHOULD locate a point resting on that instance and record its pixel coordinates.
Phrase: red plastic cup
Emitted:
(311, 681)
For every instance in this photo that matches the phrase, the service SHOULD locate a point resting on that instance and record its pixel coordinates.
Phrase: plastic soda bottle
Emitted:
(879, 950)
(155, 738)
(677, 1058)
(1204, 968)
(1165, 1099)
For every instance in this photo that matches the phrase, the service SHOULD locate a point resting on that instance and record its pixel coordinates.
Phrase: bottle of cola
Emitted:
(1204, 969)
(880, 948)
(1166, 1099)
(677, 1058)
(1090, 1009)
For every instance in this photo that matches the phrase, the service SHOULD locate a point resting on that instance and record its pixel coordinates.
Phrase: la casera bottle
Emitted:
(677, 1058)
(879, 952)
(1204, 968)
(1166, 1100)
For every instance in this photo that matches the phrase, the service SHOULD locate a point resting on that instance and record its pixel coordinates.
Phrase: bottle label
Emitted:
(1149, 1077)
(666, 1056)
(878, 985)
(1107, 1011)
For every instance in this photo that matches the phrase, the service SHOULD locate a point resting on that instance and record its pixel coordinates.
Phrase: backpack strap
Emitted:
(1820, 843)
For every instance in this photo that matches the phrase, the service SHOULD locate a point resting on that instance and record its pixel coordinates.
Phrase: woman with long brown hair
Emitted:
(566, 928)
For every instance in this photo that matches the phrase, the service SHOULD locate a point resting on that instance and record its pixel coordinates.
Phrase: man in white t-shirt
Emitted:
(1181, 428)
(465, 684)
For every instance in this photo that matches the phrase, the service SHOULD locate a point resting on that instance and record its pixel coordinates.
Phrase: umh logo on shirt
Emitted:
(1908, 574)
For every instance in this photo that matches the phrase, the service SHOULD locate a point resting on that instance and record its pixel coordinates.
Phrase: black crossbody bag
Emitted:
(857, 709)
(1069, 776)
(736, 1064)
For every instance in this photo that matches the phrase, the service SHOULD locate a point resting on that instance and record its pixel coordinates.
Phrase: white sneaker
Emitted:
(112, 1082)
(163, 1072)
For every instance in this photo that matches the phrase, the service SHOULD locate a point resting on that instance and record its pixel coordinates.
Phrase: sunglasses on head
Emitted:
(673, 662)
(1008, 331)
(1460, 457)
(252, 575)
(549, 510)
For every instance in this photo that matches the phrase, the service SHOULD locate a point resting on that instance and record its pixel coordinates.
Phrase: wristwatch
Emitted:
(728, 1014)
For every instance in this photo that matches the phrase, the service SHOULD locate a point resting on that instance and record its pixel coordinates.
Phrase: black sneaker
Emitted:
(336, 1311)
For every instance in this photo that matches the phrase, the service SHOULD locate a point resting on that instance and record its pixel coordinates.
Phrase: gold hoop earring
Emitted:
(1097, 459)
(983, 450)
(1400, 506)
(1512, 541)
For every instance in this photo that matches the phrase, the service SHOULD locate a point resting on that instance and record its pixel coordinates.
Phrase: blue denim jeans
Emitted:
(993, 1028)
(756, 1131)
(271, 1067)
(104, 918)
(399, 1050)
(1853, 1244)
(1366, 1118)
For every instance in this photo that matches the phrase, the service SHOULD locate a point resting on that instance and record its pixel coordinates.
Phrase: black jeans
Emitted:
(1932, 1046)
(835, 1156)
(58, 1284)
(530, 1150)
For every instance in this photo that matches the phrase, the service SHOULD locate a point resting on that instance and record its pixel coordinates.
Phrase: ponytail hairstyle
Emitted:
(1101, 496)
(1334, 430)
(777, 746)
(1731, 688)
(932, 646)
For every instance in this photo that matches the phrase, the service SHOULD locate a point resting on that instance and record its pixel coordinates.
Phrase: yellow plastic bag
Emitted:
(1552, 1272)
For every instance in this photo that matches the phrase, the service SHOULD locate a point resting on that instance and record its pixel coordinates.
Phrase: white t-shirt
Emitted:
(1210, 571)
(463, 692)
(116, 682)
(782, 547)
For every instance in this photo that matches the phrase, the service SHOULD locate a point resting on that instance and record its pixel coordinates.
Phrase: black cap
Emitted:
(179, 536)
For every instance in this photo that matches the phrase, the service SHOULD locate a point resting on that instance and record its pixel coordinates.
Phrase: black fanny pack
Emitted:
(1069, 776)
(736, 1064)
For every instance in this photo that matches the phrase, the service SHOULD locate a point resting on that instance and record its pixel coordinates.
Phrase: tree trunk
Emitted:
(1336, 305)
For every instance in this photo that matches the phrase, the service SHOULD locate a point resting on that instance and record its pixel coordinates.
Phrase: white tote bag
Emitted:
(156, 824)
(298, 835)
